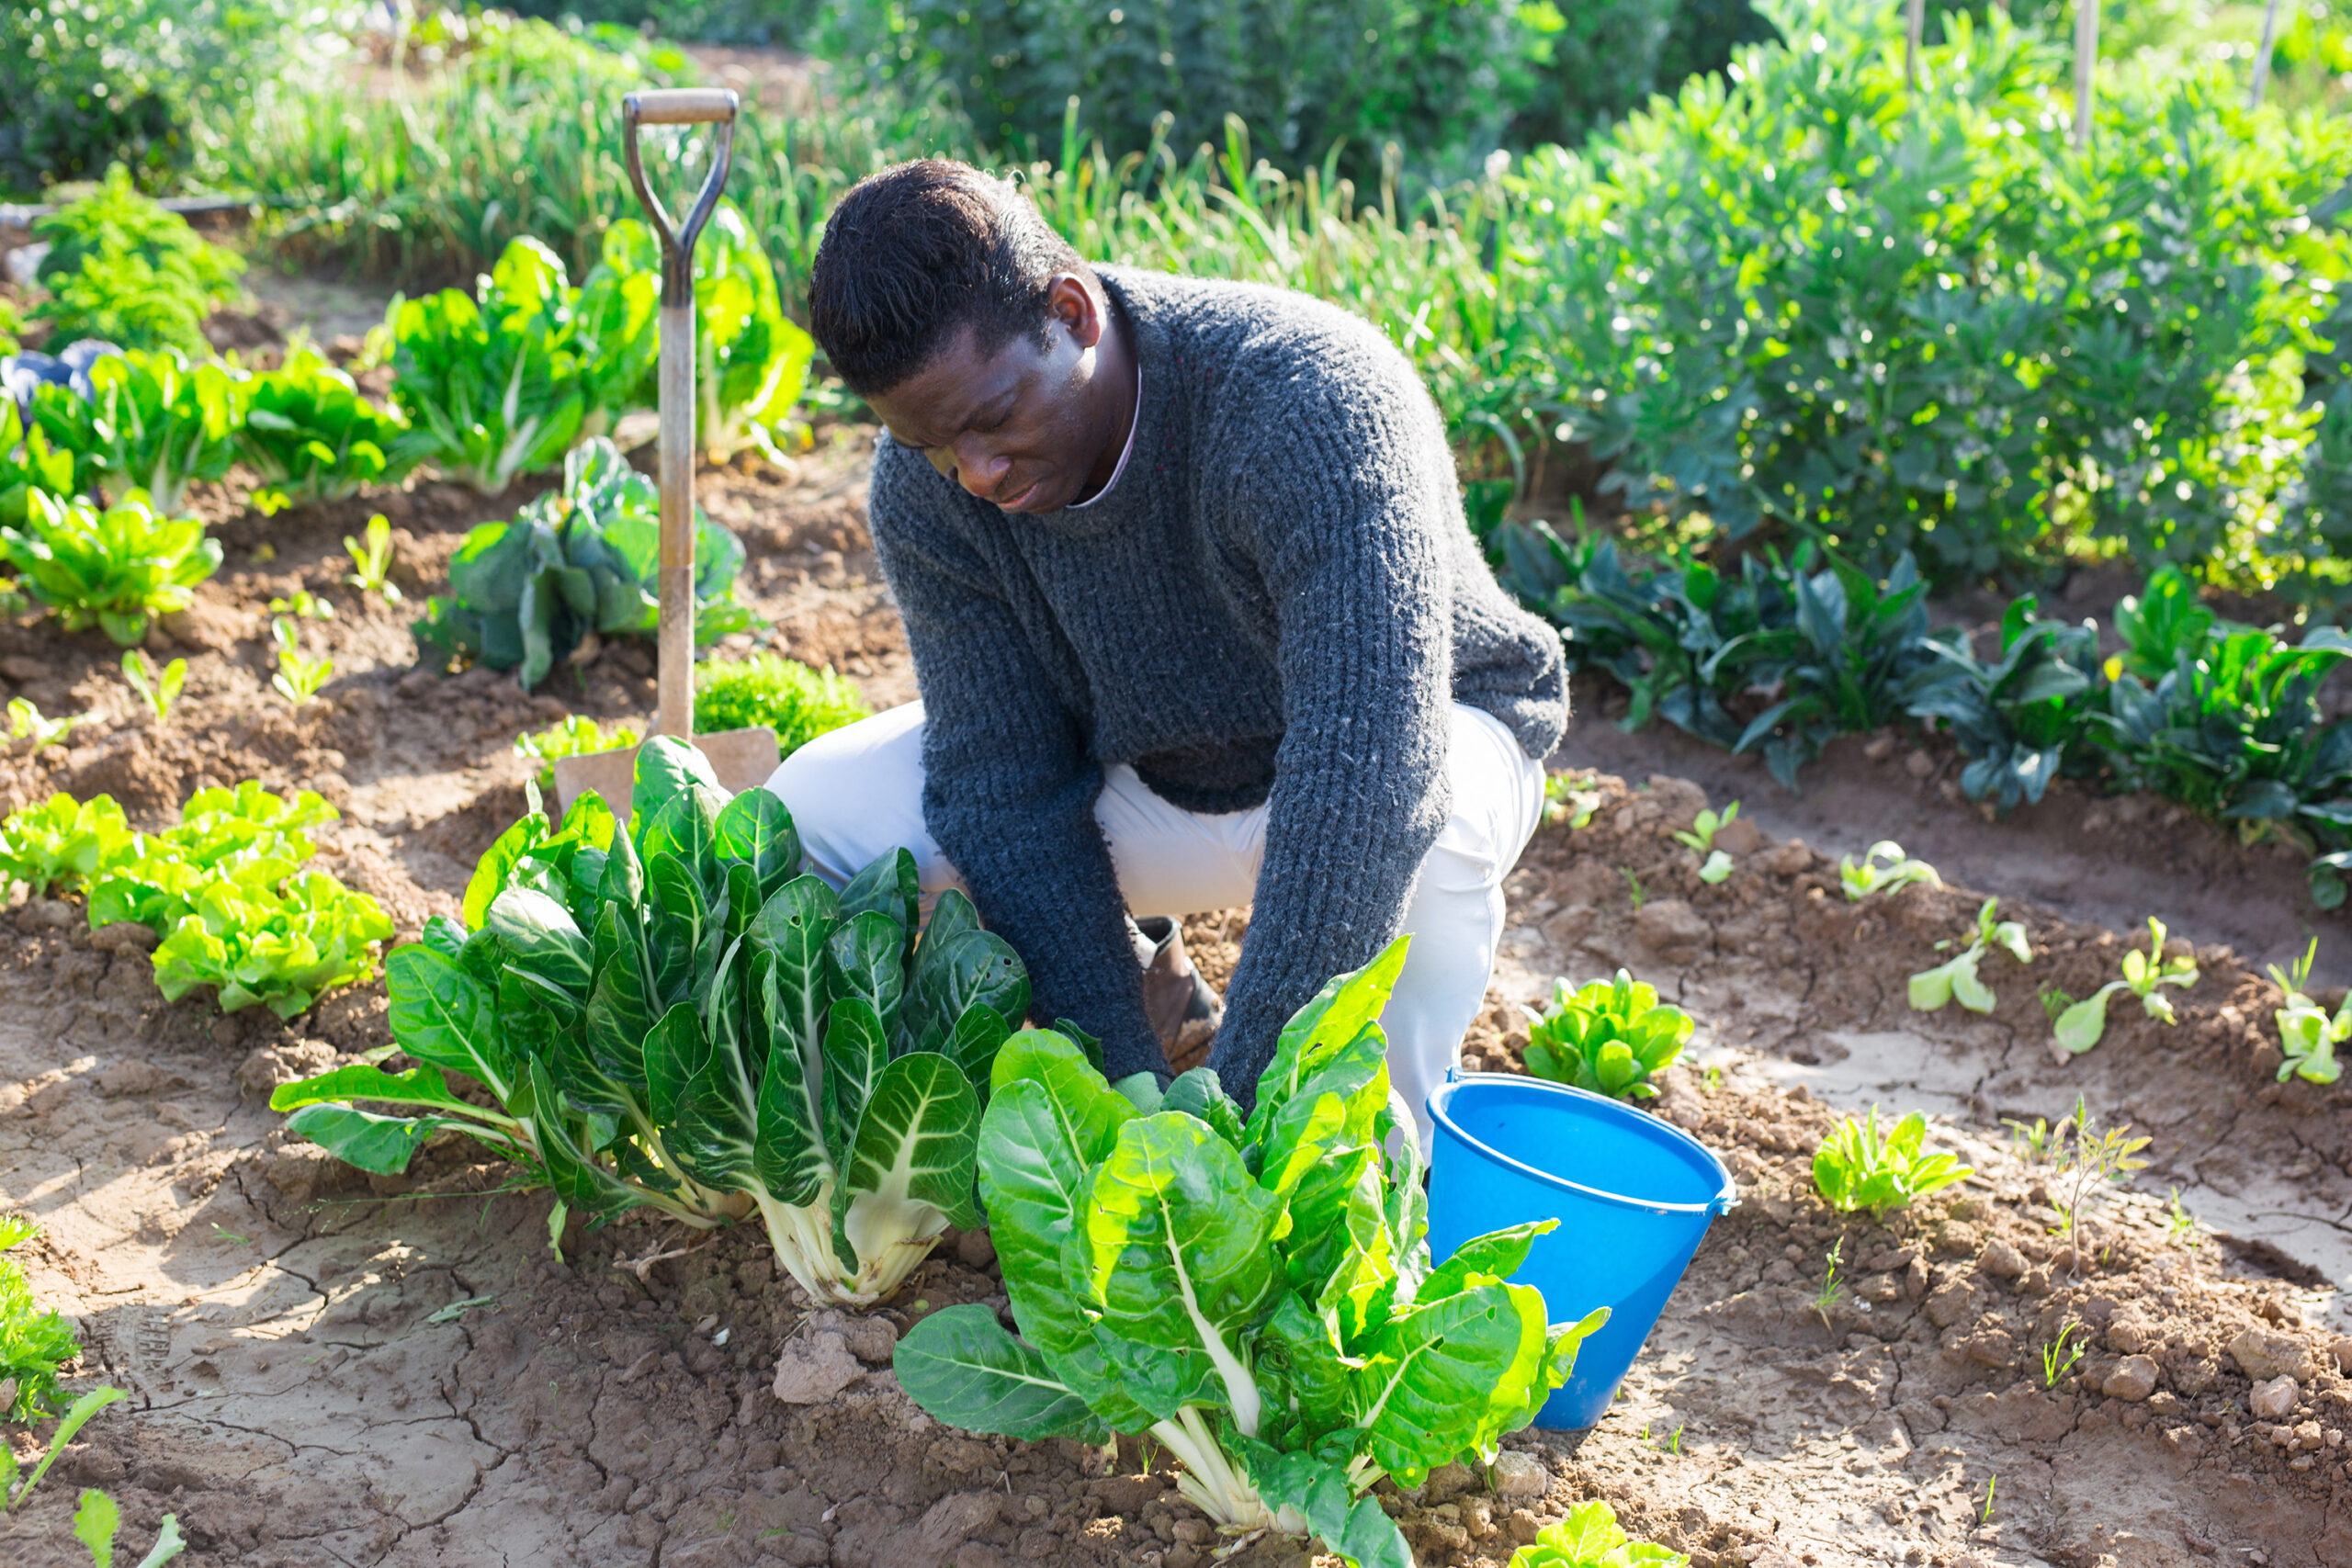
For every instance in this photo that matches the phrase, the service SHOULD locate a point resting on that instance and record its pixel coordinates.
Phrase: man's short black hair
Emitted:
(915, 253)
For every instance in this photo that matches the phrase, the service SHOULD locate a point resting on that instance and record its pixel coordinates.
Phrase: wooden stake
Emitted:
(1915, 25)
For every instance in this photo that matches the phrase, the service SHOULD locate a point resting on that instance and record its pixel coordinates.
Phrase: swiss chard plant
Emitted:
(2020, 719)
(1613, 1037)
(750, 360)
(671, 1016)
(114, 567)
(2083, 1024)
(1254, 1292)
(152, 423)
(579, 559)
(27, 463)
(312, 437)
(797, 702)
(1857, 1167)
(1957, 979)
(491, 383)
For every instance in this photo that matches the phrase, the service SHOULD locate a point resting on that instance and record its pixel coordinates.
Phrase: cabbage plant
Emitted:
(1255, 1293)
(673, 1017)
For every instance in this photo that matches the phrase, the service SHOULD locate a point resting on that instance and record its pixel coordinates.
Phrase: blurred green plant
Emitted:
(114, 569)
(312, 437)
(795, 701)
(119, 267)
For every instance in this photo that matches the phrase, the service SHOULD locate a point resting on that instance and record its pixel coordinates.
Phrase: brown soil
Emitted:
(294, 1400)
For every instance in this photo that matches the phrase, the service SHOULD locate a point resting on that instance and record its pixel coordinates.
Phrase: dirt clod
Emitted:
(2273, 1399)
(815, 1368)
(2265, 1354)
(2132, 1380)
(1520, 1475)
(2003, 1261)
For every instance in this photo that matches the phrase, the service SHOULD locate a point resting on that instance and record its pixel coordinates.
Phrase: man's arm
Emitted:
(1343, 502)
(1008, 790)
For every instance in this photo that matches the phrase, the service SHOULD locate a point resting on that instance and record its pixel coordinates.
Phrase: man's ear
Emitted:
(1075, 303)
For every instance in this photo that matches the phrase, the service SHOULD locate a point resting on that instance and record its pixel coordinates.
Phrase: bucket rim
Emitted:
(1725, 1199)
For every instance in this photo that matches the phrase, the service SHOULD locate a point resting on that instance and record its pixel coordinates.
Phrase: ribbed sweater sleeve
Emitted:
(1341, 495)
(1009, 789)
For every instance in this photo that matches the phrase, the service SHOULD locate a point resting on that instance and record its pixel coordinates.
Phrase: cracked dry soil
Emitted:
(331, 1369)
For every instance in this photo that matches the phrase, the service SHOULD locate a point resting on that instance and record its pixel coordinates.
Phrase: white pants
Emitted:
(858, 793)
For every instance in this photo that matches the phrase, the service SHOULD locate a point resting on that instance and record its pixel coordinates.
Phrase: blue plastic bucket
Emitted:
(1634, 1195)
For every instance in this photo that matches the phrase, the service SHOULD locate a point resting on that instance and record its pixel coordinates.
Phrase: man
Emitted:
(1196, 623)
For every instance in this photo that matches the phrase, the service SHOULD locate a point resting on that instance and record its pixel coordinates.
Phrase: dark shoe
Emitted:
(1184, 1012)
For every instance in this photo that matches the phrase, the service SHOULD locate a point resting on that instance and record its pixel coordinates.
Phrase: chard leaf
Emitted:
(980, 1033)
(681, 919)
(620, 1011)
(865, 958)
(1446, 1375)
(380, 1144)
(623, 879)
(700, 1094)
(667, 768)
(961, 1367)
(891, 886)
(1355, 1528)
(910, 1170)
(951, 975)
(687, 828)
(580, 1182)
(498, 864)
(743, 886)
(857, 1050)
(1198, 1093)
(418, 1085)
(540, 937)
(1179, 1247)
(2081, 1026)
(441, 1014)
(1303, 1365)
(788, 1155)
(950, 918)
(794, 926)
(1334, 1016)
(754, 829)
(1497, 1255)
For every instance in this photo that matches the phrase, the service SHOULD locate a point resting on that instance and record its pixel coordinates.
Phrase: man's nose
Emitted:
(979, 470)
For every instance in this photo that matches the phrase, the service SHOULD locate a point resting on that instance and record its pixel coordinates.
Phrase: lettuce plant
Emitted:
(1714, 865)
(750, 360)
(579, 559)
(152, 423)
(1884, 868)
(796, 702)
(669, 1016)
(112, 569)
(491, 384)
(310, 435)
(63, 843)
(26, 723)
(2083, 1026)
(2307, 1035)
(371, 562)
(157, 690)
(575, 735)
(1255, 1293)
(257, 934)
(27, 463)
(33, 1343)
(1610, 1036)
(1591, 1537)
(1957, 978)
(154, 879)
(1856, 1168)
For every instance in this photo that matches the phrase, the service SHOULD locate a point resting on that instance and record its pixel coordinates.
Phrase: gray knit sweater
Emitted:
(1278, 598)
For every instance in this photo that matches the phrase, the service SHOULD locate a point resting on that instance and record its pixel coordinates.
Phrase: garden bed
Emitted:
(326, 1366)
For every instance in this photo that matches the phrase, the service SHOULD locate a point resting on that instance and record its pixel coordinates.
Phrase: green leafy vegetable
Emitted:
(795, 701)
(310, 435)
(98, 1519)
(1931, 988)
(1855, 1168)
(280, 941)
(1884, 868)
(1254, 1292)
(123, 268)
(492, 384)
(156, 692)
(371, 563)
(26, 723)
(1612, 1037)
(1590, 1538)
(299, 675)
(2083, 1026)
(27, 463)
(582, 558)
(2023, 718)
(74, 1420)
(33, 1343)
(671, 1016)
(152, 423)
(113, 568)
(1715, 863)
(2307, 1035)
(575, 735)
(63, 844)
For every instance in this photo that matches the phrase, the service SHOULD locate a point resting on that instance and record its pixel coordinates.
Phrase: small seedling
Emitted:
(158, 691)
(2307, 1035)
(1715, 863)
(74, 1419)
(2081, 1026)
(1855, 1168)
(98, 1518)
(2032, 1144)
(1833, 1288)
(372, 563)
(1986, 1517)
(2057, 1358)
(229, 1238)
(1883, 869)
(1632, 886)
(26, 723)
(1715, 868)
(457, 1309)
(303, 603)
(299, 675)
(2181, 1228)
(1569, 798)
(2054, 1002)
(2088, 1159)
(1957, 979)
(1714, 1077)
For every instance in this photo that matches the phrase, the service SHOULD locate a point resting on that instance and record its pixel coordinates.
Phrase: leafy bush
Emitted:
(33, 1343)
(750, 361)
(273, 938)
(151, 423)
(670, 1017)
(310, 435)
(1856, 1168)
(112, 569)
(1907, 358)
(1610, 1036)
(2022, 719)
(797, 702)
(120, 267)
(579, 560)
(1256, 1293)
(1884, 868)
(575, 735)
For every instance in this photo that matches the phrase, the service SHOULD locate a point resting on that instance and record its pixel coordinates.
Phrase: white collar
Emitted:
(1125, 452)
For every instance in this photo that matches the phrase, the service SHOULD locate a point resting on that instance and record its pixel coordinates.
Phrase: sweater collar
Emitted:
(1126, 498)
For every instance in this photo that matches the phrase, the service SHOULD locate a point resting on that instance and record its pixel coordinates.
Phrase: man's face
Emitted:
(1024, 428)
